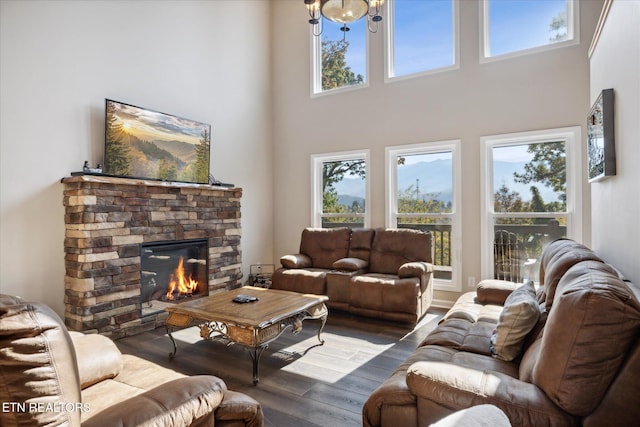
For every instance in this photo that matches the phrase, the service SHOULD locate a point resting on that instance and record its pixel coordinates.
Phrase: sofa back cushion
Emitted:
(325, 245)
(393, 247)
(361, 240)
(594, 321)
(558, 257)
(98, 358)
(37, 366)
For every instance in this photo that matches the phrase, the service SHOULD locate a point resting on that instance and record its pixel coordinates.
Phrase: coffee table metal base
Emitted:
(255, 340)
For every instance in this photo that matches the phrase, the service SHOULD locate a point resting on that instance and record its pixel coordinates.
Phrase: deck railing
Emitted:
(516, 248)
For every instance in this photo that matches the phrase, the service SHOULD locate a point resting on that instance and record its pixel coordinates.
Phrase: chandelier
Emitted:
(344, 12)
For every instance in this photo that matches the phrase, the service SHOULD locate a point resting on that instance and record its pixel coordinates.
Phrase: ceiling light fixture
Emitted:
(344, 12)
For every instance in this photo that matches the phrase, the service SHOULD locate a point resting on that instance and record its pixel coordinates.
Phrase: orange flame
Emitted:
(179, 283)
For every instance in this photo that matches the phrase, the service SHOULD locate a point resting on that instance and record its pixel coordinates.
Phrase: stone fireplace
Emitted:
(111, 224)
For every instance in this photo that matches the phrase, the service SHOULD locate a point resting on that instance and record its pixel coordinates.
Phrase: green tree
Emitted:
(506, 200)
(547, 167)
(117, 160)
(558, 26)
(202, 156)
(332, 173)
(335, 71)
(167, 171)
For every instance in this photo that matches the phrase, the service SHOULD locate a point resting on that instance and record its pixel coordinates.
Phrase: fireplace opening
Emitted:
(172, 272)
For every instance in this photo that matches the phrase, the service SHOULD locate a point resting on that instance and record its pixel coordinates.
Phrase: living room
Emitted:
(245, 67)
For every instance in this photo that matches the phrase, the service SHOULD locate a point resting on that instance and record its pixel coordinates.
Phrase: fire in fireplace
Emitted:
(173, 271)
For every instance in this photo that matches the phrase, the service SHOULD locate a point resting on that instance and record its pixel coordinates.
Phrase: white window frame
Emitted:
(389, 45)
(316, 67)
(391, 197)
(317, 161)
(573, 29)
(572, 138)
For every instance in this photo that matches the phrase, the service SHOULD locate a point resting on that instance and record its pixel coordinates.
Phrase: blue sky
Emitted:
(424, 31)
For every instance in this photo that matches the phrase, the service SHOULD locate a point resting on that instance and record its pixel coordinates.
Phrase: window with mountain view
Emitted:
(519, 26)
(340, 190)
(531, 191)
(340, 57)
(422, 36)
(423, 195)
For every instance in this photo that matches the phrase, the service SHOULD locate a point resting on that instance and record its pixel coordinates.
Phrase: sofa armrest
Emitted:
(296, 261)
(457, 387)
(239, 409)
(414, 269)
(98, 358)
(350, 264)
(494, 291)
(184, 401)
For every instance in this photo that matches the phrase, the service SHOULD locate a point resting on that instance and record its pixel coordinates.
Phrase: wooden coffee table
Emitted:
(254, 324)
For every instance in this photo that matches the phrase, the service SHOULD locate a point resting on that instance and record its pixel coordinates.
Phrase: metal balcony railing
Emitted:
(516, 248)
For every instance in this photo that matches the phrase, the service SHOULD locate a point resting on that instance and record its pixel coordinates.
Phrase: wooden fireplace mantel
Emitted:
(106, 221)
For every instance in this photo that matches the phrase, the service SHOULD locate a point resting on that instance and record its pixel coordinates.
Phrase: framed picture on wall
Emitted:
(601, 150)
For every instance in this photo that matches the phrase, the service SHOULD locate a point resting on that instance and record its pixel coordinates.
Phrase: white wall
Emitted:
(615, 201)
(205, 60)
(538, 91)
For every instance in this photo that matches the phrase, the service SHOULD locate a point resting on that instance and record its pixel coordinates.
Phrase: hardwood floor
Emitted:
(302, 384)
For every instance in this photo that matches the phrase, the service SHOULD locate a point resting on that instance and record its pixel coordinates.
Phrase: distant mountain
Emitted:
(435, 178)
(182, 150)
(348, 200)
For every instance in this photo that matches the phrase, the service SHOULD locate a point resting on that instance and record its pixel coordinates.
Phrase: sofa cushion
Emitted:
(302, 280)
(350, 264)
(98, 358)
(466, 307)
(593, 323)
(518, 317)
(384, 292)
(558, 257)
(462, 335)
(181, 402)
(296, 261)
(394, 247)
(494, 291)
(325, 245)
(37, 366)
(414, 269)
(360, 245)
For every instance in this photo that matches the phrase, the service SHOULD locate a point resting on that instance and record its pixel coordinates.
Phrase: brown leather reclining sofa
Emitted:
(579, 364)
(381, 273)
(49, 376)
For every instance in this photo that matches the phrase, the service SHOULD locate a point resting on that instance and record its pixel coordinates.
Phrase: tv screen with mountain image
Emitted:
(141, 143)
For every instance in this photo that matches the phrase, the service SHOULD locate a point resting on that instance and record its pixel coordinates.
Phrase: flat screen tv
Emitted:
(142, 143)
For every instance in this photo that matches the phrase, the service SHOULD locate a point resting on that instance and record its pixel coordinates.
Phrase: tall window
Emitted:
(512, 27)
(531, 191)
(340, 189)
(422, 36)
(424, 194)
(340, 58)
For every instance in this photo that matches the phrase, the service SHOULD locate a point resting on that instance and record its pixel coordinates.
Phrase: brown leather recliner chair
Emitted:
(49, 376)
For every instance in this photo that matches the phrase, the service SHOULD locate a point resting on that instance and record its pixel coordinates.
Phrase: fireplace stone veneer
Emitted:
(106, 221)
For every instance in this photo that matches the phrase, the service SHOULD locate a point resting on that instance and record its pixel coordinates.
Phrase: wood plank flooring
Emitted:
(302, 384)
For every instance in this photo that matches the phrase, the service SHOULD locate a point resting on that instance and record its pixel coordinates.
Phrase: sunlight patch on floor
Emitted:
(357, 355)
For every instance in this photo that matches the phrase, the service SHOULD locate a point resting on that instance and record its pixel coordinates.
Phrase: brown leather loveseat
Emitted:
(381, 273)
(49, 376)
(576, 362)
